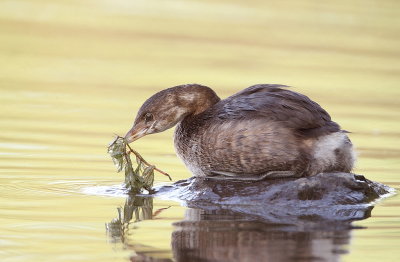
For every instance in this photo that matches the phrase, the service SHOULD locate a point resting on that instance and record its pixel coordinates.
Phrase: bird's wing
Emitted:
(274, 103)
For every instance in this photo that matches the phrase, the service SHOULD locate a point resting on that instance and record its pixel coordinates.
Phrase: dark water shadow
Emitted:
(273, 221)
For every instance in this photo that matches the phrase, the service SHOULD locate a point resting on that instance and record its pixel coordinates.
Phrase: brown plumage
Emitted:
(262, 131)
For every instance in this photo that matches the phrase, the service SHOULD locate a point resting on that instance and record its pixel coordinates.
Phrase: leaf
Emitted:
(117, 150)
(136, 178)
(148, 176)
(129, 174)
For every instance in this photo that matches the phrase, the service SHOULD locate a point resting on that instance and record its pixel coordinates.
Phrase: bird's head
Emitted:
(168, 107)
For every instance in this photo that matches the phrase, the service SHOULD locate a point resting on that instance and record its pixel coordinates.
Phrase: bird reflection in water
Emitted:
(223, 235)
(282, 220)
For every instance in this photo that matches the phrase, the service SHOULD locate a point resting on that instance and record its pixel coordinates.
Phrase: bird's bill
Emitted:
(136, 132)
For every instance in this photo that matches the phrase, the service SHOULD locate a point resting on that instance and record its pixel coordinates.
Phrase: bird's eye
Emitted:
(148, 117)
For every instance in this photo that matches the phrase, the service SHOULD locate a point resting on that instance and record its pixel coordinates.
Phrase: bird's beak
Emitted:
(136, 132)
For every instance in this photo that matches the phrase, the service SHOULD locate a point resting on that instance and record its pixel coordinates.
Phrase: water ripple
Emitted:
(112, 191)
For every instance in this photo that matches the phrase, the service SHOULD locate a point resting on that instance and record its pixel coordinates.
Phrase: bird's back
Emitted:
(262, 128)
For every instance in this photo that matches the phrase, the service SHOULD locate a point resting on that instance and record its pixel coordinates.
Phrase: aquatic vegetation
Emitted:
(136, 209)
(138, 177)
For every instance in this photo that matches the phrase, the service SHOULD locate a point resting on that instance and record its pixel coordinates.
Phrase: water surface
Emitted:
(75, 72)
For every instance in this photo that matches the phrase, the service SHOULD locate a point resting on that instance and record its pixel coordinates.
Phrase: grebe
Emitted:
(263, 131)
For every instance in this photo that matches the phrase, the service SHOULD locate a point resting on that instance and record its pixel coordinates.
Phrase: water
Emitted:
(75, 72)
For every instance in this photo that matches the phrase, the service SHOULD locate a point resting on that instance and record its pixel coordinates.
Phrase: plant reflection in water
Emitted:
(137, 208)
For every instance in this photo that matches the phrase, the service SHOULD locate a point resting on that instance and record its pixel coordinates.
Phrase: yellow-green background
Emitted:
(73, 72)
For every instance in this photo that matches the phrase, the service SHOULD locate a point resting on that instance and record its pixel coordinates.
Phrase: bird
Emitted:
(264, 131)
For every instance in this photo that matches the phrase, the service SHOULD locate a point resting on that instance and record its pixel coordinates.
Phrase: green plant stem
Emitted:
(146, 163)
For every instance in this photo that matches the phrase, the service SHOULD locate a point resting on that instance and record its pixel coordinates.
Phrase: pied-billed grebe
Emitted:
(262, 131)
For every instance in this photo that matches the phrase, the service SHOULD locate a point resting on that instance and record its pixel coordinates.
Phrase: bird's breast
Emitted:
(246, 146)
